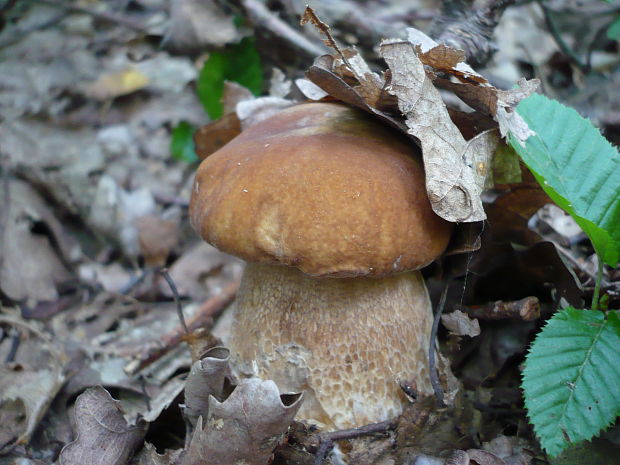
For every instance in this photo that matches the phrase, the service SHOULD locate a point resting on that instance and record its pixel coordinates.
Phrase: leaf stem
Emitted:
(597, 284)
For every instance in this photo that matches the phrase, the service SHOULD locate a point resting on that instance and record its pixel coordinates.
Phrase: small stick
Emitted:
(202, 317)
(527, 309)
(103, 15)
(264, 17)
(326, 440)
(431, 350)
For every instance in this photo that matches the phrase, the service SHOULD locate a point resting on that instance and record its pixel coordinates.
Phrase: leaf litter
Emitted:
(108, 169)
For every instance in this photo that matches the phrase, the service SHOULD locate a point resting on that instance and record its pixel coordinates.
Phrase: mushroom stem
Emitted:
(346, 342)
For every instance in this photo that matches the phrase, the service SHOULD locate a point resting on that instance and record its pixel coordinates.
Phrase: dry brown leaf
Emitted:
(103, 436)
(460, 324)
(30, 264)
(322, 74)
(245, 428)
(213, 136)
(25, 396)
(473, 88)
(206, 379)
(455, 168)
(310, 89)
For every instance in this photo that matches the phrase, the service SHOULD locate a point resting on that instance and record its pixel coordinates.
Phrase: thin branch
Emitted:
(102, 15)
(326, 440)
(431, 350)
(526, 309)
(262, 16)
(202, 317)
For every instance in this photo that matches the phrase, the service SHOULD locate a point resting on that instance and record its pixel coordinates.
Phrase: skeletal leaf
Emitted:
(245, 428)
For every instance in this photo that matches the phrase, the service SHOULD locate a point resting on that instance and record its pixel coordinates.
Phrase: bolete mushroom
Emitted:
(329, 209)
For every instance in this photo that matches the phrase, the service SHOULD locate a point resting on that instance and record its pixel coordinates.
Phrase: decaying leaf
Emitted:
(460, 324)
(24, 398)
(103, 437)
(215, 135)
(453, 165)
(246, 427)
(31, 243)
(206, 379)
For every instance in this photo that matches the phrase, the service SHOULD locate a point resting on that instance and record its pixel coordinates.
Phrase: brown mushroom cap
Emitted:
(322, 187)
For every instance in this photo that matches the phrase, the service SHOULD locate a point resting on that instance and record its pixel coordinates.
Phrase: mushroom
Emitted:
(329, 209)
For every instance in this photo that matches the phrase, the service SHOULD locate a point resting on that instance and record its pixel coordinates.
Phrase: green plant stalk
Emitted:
(597, 284)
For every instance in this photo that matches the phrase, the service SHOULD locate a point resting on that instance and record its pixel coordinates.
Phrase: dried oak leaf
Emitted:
(103, 435)
(473, 88)
(206, 378)
(245, 428)
(323, 74)
(456, 169)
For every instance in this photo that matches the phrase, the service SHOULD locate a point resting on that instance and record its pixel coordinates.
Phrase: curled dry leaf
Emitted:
(245, 428)
(473, 88)
(103, 436)
(206, 379)
(455, 168)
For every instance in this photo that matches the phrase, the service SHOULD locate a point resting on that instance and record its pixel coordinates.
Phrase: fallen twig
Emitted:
(262, 16)
(326, 440)
(431, 350)
(202, 317)
(527, 309)
(103, 15)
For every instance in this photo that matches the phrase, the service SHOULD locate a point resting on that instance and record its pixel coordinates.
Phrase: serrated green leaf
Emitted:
(239, 63)
(613, 31)
(182, 143)
(577, 167)
(571, 380)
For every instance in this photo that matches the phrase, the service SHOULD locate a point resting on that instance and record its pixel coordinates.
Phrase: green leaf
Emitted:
(613, 31)
(182, 143)
(577, 167)
(240, 63)
(571, 380)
